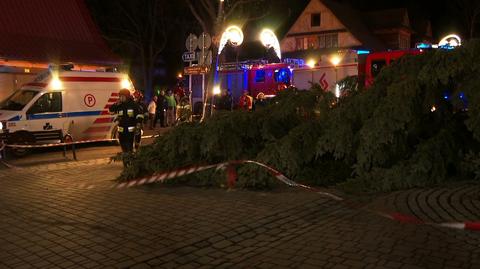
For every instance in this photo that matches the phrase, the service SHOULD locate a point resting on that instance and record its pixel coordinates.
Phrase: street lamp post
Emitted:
(311, 63)
(335, 60)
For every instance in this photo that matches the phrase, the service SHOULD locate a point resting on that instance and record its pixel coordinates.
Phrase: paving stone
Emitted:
(177, 227)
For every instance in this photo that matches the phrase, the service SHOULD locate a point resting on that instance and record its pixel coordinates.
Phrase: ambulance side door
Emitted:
(46, 115)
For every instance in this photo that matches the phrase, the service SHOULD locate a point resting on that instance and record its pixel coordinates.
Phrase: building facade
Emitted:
(327, 25)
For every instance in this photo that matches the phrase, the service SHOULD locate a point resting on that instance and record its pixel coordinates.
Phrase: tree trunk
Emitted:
(472, 26)
(144, 68)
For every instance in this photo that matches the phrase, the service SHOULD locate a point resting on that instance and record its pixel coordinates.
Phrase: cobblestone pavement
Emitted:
(47, 222)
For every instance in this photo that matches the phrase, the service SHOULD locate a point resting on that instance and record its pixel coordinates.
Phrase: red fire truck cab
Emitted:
(377, 60)
(255, 78)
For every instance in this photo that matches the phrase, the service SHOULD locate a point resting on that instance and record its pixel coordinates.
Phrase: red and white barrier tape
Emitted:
(162, 177)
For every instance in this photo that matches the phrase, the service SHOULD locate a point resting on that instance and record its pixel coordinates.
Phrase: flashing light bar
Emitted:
(360, 52)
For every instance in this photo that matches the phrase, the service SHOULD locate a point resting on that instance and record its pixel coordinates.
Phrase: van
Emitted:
(60, 102)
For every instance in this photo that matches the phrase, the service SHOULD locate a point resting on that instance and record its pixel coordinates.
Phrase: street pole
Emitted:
(211, 104)
(217, 30)
(336, 82)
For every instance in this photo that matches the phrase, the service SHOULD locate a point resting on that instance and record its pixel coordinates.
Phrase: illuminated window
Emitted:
(315, 19)
(299, 43)
(312, 42)
(328, 41)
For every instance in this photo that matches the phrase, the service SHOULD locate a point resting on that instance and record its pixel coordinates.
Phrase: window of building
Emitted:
(47, 103)
(315, 19)
(328, 41)
(312, 42)
(299, 43)
(404, 42)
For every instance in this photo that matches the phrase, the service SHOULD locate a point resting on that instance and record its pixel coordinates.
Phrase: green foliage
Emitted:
(399, 133)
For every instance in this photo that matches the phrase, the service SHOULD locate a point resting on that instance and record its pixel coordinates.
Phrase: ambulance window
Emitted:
(260, 76)
(377, 66)
(18, 100)
(49, 102)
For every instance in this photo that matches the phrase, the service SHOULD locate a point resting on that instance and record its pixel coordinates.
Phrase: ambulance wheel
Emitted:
(21, 138)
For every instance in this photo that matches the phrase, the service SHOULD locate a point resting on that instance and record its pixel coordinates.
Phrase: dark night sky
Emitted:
(284, 12)
(444, 19)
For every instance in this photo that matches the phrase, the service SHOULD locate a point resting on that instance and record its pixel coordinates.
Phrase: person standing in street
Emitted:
(129, 117)
(229, 100)
(140, 101)
(246, 101)
(171, 105)
(260, 101)
(152, 110)
(160, 110)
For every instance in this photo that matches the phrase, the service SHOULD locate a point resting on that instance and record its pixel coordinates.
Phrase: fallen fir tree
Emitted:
(410, 129)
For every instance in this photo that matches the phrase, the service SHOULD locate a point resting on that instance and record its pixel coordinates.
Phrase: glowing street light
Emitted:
(311, 63)
(335, 60)
(269, 40)
(233, 34)
(216, 90)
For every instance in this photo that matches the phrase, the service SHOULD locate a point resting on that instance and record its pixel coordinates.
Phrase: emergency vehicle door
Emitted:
(46, 116)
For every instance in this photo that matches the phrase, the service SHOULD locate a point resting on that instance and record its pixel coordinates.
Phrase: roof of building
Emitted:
(353, 21)
(388, 18)
(53, 31)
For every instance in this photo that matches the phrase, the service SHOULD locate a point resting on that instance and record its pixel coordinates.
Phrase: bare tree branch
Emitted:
(236, 5)
(208, 7)
(197, 16)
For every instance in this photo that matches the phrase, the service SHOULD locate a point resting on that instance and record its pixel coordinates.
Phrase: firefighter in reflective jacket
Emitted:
(129, 117)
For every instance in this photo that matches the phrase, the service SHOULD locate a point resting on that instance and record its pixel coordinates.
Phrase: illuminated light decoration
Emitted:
(450, 42)
(360, 52)
(433, 109)
(461, 95)
(311, 63)
(335, 60)
(216, 90)
(26, 70)
(270, 40)
(445, 97)
(180, 75)
(233, 34)
(337, 91)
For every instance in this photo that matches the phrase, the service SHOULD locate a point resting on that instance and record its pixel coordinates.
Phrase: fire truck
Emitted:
(327, 70)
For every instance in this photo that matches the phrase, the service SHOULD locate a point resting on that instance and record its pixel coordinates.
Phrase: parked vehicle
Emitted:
(62, 102)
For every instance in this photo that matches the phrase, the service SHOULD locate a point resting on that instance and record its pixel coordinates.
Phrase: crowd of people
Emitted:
(163, 108)
(132, 114)
(246, 102)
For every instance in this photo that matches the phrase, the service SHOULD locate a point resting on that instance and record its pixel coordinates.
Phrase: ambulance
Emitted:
(60, 102)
